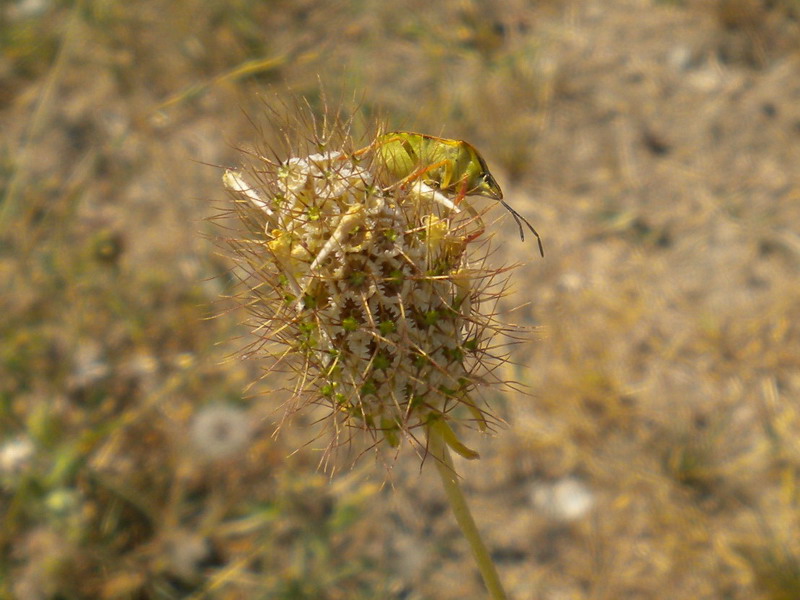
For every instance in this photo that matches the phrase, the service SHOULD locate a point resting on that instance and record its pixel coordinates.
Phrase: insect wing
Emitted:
(397, 154)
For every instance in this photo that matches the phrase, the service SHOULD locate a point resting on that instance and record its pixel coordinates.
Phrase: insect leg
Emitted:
(420, 171)
(476, 217)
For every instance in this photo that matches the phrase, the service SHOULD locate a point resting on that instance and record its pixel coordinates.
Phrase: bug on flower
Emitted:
(450, 166)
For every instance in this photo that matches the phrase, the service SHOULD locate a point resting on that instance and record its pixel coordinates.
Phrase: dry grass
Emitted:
(654, 145)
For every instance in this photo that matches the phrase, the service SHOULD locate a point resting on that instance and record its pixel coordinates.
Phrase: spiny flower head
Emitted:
(368, 292)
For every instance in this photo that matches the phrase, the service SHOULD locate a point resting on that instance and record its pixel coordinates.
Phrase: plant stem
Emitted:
(444, 464)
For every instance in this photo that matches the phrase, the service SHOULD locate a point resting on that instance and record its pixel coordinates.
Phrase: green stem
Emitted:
(444, 464)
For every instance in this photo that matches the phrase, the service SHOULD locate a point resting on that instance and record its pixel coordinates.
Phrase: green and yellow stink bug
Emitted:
(450, 166)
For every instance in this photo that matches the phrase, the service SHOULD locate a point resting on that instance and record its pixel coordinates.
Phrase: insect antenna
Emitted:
(520, 220)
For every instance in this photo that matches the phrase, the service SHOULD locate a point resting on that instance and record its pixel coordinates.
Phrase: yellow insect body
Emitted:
(450, 166)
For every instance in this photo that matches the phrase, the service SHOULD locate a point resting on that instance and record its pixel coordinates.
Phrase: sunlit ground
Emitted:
(654, 454)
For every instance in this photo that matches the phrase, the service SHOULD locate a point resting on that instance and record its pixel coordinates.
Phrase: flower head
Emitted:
(367, 291)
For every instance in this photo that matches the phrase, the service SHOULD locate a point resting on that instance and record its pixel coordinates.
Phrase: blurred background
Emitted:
(655, 146)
